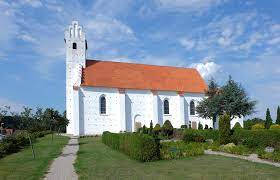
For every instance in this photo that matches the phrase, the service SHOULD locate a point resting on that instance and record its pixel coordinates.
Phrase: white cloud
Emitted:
(27, 38)
(187, 43)
(33, 3)
(14, 106)
(187, 5)
(207, 69)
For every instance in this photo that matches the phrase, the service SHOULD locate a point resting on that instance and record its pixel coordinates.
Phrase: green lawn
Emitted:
(97, 161)
(21, 165)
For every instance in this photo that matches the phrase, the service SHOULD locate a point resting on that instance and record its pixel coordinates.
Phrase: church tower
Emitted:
(76, 46)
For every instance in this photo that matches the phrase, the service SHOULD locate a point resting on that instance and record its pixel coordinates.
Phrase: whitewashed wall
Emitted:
(138, 107)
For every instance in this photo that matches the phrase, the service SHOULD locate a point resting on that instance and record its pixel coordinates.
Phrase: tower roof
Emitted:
(141, 76)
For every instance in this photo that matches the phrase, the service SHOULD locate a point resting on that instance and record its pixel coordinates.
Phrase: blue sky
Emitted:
(218, 37)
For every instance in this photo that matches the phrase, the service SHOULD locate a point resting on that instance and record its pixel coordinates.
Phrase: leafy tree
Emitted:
(268, 119)
(209, 107)
(278, 116)
(230, 99)
(224, 129)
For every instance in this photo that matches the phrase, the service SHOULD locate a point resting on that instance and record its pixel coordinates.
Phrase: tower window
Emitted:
(86, 45)
(102, 105)
(74, 45)
(166, 106)
(192, 108)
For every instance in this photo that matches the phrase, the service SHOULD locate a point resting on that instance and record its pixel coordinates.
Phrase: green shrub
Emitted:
(206, 126)
(156, 129)
(200, 126)
(224, 129)
(175, 150)
(237, 126)
(233, 149)
(167, 128)
(275, 126)
(18, 141)
(140, 147)
(193, 135)
(184, 126)
(257, 138)
(257, 126)
(275, 156)
(178, 134)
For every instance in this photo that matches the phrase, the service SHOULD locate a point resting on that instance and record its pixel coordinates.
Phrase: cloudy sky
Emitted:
(218, 37)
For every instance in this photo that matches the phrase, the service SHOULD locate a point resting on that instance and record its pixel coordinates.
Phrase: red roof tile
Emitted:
(141, 76)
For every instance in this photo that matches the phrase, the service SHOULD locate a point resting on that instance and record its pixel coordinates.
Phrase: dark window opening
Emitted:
(102, 105)
(74, 45)
(166, 106)
(192, 108)
(86, 45)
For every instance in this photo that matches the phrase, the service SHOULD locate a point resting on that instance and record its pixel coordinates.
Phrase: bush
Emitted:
(233, 149)
(175, 150)
(193, 135)
(200, 126)
(224, 128)
(206, 127)
(18, 141)
(140, 147)
(275, 126)
(257, 126)
(178, 134)
(275, 156)
(237, 126)
(257, 138)
(156, 129)
(167, 128)
(184, 127)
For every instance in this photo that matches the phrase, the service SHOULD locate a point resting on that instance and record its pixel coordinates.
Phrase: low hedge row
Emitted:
(19, 140)
(140, 147)
(257, 138)
(194, 135)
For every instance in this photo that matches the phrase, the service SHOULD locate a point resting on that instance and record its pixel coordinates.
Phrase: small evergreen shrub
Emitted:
(140, 147)
(206, 127)
(258, 126)
(237, 126)
(167, 128)
(156, 129)
(275, 126)
(184, 127)
(224, 129)
(200, 126)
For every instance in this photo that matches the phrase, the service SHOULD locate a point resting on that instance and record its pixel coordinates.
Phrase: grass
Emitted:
(21, 165)
(97, 161)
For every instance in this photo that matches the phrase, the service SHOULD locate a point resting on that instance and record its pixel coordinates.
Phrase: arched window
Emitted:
(102, 105)
(74, 45)
(166, 106)
(192, 108)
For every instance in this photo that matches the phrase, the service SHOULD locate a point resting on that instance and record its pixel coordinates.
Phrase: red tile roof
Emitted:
(141, 76)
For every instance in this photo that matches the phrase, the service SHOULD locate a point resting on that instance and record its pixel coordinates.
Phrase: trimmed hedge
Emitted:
(194, 135)
(141, 147)
(257, 138)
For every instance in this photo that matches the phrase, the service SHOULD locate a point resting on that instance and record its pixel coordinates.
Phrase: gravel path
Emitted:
(62, 167)
(252, 157)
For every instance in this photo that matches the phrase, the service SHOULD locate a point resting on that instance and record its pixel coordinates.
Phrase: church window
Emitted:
(74, 45)
(102, 105)
(166, 106)
(192, 108)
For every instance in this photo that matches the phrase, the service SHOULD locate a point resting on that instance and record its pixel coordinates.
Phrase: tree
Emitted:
(167, 128)
(3, 113)
(230, 99)
(278, 116)
(251, 122)
(268, 119)
(224, 129)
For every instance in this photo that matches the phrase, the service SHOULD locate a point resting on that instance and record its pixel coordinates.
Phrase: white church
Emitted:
(117, 97)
